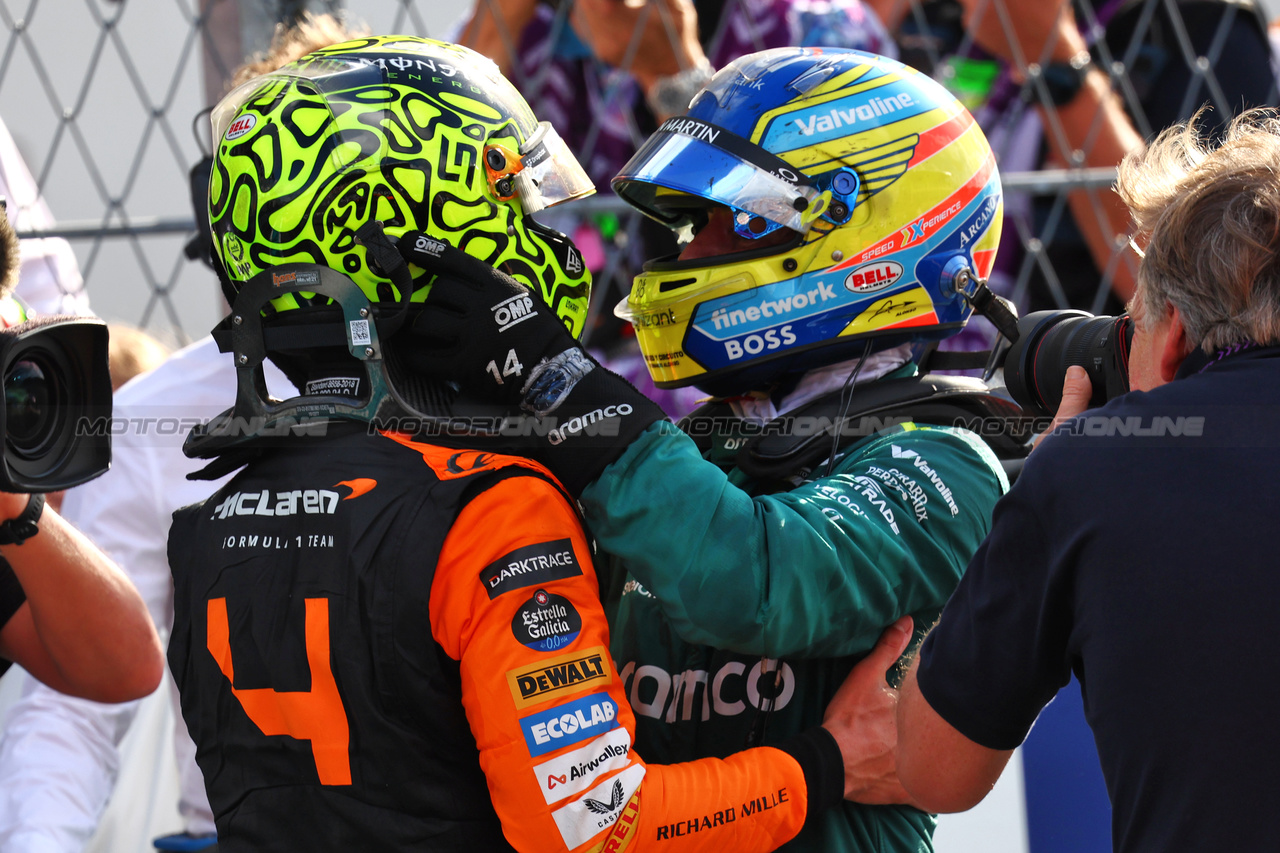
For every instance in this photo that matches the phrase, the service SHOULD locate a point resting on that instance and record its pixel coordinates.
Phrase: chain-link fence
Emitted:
(101, 97)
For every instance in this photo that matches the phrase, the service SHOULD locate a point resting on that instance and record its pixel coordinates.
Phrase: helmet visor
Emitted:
(694, 158)
(550, 174)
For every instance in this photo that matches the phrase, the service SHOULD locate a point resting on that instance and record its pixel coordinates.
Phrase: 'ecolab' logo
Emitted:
(571, 722)
(241, 126)
(869, 278)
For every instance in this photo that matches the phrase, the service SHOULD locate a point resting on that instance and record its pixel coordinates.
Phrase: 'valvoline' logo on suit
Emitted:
(572, 722)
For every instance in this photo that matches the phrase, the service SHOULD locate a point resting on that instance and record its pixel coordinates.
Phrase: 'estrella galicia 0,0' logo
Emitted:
(546, 622)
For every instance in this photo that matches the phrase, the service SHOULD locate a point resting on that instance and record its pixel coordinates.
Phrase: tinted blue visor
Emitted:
(686, 157)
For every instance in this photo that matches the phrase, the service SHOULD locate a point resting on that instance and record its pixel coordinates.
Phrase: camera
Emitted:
(56, 419)
(1049, 342)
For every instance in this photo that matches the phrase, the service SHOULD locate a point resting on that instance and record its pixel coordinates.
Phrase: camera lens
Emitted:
(1051, 341)
(31, 406)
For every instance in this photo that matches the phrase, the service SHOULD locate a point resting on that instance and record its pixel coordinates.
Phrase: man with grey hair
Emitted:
(1137, 549)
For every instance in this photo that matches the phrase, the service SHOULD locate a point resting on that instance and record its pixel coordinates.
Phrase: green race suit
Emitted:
(741, 612)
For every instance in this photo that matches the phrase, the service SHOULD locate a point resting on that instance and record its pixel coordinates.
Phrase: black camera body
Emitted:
(1049, 342)
(56, 418)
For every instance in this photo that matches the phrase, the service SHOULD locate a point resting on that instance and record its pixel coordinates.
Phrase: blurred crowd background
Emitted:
(104, 108)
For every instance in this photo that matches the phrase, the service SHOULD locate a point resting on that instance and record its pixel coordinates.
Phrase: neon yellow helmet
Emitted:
(417, 134)
(834, 195)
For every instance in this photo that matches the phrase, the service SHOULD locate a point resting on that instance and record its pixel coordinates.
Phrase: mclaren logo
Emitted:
(266, 502)
(468, 461)
(359, 486)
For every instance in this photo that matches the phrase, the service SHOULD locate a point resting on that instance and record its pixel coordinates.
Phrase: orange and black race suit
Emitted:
(389, 645)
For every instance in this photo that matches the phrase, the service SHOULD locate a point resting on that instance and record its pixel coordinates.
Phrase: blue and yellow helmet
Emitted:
(844, 190)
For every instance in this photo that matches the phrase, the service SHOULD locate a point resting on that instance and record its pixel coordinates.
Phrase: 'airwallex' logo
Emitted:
(576, 771)
(530, 565)
(572, 722)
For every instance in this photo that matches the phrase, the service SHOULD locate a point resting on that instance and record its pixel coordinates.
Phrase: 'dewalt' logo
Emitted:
(546, 622)
(562, 674)
(873, 277)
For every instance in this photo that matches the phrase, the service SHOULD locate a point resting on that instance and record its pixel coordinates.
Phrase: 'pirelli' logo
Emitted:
(559, 676)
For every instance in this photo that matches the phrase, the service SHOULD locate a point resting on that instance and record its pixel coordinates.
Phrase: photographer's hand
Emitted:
(1076, 391)
(84, 629)
(862, 717)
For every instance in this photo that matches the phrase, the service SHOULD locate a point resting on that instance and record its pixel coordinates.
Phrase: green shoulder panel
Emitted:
(814, 572)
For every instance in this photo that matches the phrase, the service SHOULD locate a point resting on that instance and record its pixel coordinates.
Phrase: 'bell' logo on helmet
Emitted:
(241, 126)
(869, 278)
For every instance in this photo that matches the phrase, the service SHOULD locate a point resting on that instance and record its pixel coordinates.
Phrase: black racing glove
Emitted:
(493, 336)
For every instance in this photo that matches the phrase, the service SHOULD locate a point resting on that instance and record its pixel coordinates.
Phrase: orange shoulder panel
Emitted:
(450, 463)
(515, 600)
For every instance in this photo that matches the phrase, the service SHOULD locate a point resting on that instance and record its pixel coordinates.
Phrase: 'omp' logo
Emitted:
(435, 248)
(869, 278)
(508, 312)
(569, 673)
(572, 722)
(241, 126)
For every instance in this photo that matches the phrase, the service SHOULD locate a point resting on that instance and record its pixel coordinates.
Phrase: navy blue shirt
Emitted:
(1139, 552)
